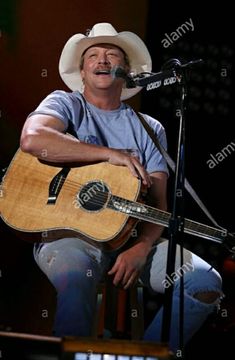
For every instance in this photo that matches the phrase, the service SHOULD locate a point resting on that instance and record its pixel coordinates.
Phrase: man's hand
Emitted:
(128, 265)
(119, 157)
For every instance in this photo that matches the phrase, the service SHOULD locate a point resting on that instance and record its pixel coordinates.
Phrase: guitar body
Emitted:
(97, 203)
(41, 202)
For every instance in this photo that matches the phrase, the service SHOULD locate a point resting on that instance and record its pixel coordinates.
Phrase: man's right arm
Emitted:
(43, 136)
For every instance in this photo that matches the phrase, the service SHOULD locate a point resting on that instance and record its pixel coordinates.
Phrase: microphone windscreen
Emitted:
(118, 71)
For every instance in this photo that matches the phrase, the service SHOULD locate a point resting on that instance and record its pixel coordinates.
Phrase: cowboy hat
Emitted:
(130, 43)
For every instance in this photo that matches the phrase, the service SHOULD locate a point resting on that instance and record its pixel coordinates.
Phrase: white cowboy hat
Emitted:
(130, 43)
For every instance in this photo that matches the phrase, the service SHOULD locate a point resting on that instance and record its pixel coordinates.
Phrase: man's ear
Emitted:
(82, 74)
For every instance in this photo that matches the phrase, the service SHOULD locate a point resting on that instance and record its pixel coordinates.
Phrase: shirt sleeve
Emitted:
(57, 104)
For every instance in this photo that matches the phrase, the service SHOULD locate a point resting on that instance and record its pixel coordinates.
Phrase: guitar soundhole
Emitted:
(93, 196)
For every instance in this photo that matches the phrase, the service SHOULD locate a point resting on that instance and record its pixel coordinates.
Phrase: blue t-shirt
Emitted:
(119, 129)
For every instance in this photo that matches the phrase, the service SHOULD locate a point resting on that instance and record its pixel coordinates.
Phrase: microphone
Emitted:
(119, 72)
(168, 75)
(150, 80)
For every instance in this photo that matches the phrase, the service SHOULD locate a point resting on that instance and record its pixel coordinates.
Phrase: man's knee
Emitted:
(207, 297)
(204, 285)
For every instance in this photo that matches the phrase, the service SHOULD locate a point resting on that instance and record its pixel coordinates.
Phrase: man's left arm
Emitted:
(130, 262)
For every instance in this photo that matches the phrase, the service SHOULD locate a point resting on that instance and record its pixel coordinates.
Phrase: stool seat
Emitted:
(119, 312)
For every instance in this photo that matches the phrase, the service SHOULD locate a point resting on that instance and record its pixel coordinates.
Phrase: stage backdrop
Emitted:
(186, 32)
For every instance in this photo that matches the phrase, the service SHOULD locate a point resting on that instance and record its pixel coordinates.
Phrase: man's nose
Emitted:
(103, 59)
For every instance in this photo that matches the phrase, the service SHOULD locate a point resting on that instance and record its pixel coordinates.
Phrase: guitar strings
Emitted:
(98, 200)
(101, 199)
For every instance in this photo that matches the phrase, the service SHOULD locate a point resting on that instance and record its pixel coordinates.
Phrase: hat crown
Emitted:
(102, 29)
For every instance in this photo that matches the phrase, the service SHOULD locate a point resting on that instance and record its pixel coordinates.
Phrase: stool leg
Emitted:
(111, 315)
(121, 311)
(99, 321)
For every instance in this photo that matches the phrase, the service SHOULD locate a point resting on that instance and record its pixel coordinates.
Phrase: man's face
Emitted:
(98, 61)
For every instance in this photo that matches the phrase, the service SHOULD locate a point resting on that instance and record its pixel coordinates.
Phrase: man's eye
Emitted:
(113, 54)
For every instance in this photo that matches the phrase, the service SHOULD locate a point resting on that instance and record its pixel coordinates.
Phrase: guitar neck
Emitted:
(159, 217)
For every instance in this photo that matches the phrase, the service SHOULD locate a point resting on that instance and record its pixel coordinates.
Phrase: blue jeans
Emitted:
(75, 268)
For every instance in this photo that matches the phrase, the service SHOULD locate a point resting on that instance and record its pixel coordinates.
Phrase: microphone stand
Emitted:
(176, 222)
(173, 72)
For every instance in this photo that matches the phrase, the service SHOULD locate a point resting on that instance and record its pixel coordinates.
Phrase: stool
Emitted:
(119, 312)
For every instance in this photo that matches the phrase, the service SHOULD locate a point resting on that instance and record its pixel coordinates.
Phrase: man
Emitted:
(106, 129)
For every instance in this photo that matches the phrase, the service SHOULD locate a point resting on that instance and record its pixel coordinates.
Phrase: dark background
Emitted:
(32, 37)
(209, 113)
(209, 123)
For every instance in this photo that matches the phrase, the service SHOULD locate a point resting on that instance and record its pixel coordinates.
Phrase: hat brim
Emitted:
(130, 43)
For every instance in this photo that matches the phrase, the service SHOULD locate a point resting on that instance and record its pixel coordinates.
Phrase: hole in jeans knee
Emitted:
(207, 297)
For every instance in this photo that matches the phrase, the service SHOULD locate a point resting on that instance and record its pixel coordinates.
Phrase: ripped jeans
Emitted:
(75, 268)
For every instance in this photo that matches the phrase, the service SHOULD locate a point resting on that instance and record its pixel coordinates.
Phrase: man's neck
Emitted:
(103, 101)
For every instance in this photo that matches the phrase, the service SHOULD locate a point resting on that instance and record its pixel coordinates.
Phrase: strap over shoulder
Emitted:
(172, 165)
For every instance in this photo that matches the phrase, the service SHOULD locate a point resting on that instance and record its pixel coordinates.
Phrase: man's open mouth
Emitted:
(102, 72)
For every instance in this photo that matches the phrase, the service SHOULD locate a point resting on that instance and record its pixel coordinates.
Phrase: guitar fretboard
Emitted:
(156, 216)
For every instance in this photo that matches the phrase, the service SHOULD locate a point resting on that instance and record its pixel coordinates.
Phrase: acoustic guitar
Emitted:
(99, 203)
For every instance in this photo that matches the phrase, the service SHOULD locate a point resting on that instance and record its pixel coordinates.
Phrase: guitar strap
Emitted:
(172, 165)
